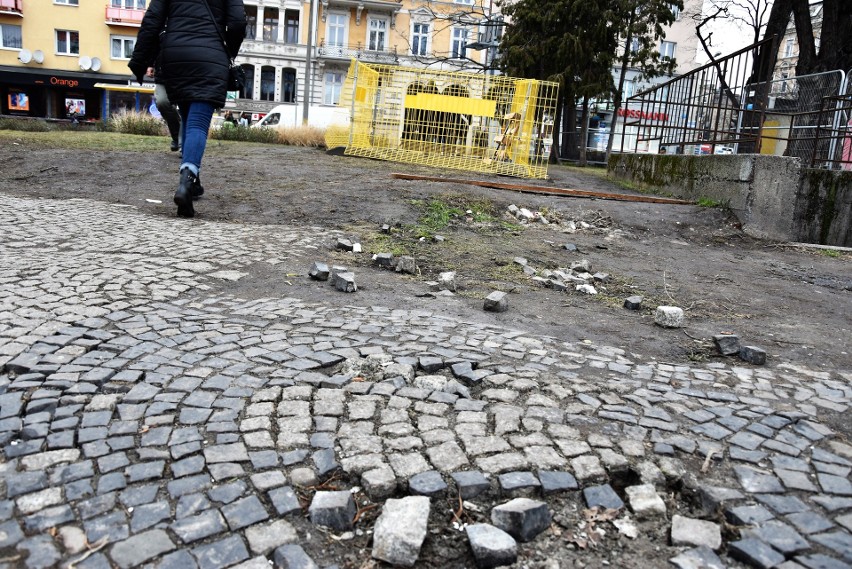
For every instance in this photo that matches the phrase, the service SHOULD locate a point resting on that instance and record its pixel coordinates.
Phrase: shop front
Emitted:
(53, 94)
(118, 98)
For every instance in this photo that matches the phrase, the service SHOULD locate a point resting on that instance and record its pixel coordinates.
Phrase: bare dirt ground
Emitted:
(792, 302)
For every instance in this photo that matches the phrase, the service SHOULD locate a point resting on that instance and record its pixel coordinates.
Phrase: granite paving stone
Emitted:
(144, 404)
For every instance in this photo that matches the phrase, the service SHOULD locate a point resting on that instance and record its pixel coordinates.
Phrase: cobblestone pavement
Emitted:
(159, 422)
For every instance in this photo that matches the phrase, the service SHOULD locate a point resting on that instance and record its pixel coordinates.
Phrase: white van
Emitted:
(287, 116)
(280, 116)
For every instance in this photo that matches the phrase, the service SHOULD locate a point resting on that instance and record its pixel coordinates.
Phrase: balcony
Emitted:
(116, 16)
(273, 49)
(13, 7)
(358, 52)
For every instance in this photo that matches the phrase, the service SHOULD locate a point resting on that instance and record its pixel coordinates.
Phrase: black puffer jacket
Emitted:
(193, 62)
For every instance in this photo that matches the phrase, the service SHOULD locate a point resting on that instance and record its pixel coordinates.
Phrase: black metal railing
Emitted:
(358, 51)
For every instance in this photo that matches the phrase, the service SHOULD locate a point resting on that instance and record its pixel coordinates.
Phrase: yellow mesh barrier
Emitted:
(463, 121)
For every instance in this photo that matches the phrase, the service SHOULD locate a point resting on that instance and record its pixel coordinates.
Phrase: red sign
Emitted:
(636, 114)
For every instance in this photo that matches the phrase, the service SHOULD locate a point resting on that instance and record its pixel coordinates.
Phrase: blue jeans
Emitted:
(196, 117)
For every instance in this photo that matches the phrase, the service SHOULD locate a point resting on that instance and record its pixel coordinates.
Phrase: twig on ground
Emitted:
(706, 466)
(93, 548)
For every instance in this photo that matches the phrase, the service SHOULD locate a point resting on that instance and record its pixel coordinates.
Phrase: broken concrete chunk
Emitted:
(669, 317)
(645, 502)
(727, 344)
(520, 261)
(582, 266)
(319, 272)
(496, 302)
(753, 355)
(492, 547)
(335, 270)
(356, 248)
(383, 259)
(333, 509)
(601, 277)
(447, 281)
(406, 264)
(400, 530)
(633, 302)
(525, 215)
(345, 282)
(570, 247)
(386, 228)
(586, 289)
(689, 531)
(521, 518)
(344, 244)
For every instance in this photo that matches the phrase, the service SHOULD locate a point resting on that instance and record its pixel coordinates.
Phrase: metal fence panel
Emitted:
(463, 121)
(718, 109)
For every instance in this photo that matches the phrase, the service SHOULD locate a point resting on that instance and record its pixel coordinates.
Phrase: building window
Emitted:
(468, 2)
(788, 47)
(459, 41)
(675, 11)
(10, 36)
(378, 29)
(288, 85)
(247, 92)
(67, 42)
(67, 2)
(667, 49)
(333, 85)
(784, 76)
(291, 26)
(420, 39)
(129, 4)
(251, 22)
(267, 83)
(336, 30)
(122, 47)
(270, 24)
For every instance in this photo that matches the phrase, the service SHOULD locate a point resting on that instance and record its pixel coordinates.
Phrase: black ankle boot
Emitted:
(197, 190)
(183, 195)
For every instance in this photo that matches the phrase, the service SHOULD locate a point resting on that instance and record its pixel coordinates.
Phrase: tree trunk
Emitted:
(584, 133)
(557, 121)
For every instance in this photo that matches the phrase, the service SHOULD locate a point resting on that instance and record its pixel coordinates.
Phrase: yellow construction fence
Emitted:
(463, 121)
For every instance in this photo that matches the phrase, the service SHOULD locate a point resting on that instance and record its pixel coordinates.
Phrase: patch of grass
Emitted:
(830, 253)
(132, 122)
(709, 202)
(26, 125)
(245, 134)
(86, 140)
(293, 136)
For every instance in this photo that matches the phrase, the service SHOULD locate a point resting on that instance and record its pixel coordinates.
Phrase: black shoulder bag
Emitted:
(236, 74)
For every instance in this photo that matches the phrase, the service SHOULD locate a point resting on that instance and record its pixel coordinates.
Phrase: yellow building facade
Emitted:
(68, 58)
(53, 53)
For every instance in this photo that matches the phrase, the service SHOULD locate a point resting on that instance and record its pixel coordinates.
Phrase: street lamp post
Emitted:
(306, 98)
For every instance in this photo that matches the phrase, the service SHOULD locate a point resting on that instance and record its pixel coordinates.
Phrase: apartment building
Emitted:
(54, 53)
(67, 58)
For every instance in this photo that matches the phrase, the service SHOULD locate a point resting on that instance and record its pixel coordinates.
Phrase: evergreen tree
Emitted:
(567, 41)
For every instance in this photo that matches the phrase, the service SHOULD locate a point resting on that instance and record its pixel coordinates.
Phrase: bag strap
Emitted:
(219, 31)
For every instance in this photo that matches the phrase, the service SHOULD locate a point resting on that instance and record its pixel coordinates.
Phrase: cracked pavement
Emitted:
(146, 412)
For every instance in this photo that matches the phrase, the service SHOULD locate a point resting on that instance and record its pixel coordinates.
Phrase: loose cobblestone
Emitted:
(141, 406)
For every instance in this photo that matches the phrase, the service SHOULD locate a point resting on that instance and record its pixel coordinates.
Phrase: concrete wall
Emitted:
(772, 196)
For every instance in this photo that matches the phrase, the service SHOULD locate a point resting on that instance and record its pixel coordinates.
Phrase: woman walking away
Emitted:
(195, 52)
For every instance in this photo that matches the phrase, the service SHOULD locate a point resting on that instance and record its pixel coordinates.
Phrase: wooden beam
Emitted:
(567, 192)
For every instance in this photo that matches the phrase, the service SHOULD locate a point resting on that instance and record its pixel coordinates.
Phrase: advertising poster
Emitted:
(19, 102)
(75, 107)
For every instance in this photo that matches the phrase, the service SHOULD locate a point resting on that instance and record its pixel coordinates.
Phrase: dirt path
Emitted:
(793, 303)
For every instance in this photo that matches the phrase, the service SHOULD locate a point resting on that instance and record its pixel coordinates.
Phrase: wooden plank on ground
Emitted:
(567, 192)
